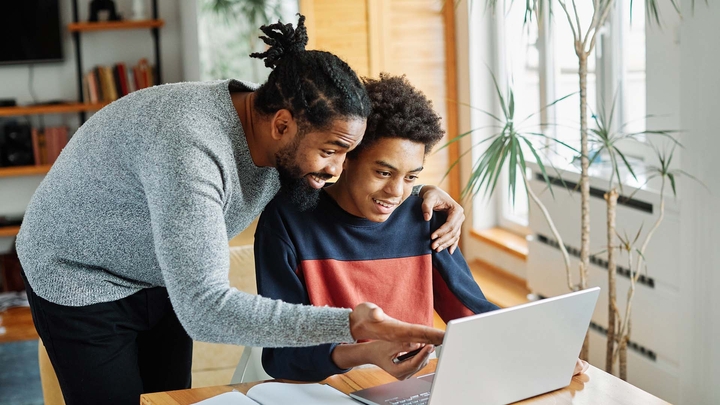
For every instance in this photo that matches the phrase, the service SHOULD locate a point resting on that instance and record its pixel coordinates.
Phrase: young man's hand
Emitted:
(369, 322)
(448, 235)
(381, 354)
(581, 366)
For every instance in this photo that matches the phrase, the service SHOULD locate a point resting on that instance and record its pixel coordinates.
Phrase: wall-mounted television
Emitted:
(30, 31)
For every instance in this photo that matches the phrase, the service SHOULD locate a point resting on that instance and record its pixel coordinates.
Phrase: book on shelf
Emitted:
(121, 79)
(108, 83)
(93, 92)
(85, 89)
(47, 144)
(38, 145)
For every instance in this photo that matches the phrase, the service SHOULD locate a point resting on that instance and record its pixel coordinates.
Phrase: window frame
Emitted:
(609, 65)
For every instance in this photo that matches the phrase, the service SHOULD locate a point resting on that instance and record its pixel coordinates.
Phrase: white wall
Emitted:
(57, 81)
(662, 74)
(700, 213)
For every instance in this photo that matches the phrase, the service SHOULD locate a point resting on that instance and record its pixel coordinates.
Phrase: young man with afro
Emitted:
(366, 241)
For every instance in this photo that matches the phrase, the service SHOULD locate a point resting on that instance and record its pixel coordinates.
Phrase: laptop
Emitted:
(500, 357)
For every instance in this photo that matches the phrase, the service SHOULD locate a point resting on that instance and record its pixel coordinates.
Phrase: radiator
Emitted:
(654, 351)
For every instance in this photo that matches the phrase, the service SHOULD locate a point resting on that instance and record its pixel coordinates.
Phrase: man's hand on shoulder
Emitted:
(448, 235)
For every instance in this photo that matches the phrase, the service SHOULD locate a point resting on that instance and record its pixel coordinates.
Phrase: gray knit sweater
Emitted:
(147, 193)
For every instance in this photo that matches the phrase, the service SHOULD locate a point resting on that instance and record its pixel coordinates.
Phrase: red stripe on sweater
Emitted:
(446, 303)
(402, 287)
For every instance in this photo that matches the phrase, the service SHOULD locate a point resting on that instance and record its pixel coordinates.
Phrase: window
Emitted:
(226, 37)
(539, 61)
(521, 69)
(633, 68)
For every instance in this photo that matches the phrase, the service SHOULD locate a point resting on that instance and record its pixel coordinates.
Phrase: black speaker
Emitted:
(16, 145)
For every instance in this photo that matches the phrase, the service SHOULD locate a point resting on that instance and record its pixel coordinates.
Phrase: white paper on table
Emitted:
(228, 398)
(283, 393)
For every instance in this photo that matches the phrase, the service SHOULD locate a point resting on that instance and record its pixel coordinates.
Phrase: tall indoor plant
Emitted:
(621, 334)
(509, 142)
(583, 41)
(605, 141)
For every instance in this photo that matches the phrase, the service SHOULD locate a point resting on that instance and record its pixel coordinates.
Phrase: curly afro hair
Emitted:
(399, 110)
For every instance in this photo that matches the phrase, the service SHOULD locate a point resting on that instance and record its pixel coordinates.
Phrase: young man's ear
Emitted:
(283, 125)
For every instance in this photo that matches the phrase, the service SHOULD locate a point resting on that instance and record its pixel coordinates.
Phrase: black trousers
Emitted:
(110, 353)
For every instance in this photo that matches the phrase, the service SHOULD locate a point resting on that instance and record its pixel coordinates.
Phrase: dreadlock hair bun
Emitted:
(283, 40)
(316, 87)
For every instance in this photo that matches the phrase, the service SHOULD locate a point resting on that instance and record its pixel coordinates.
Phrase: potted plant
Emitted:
(584, 39)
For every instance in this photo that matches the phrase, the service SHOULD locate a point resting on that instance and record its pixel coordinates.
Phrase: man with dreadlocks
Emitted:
(124, 245)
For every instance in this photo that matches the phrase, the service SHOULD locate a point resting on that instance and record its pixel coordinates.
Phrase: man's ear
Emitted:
(283, 125)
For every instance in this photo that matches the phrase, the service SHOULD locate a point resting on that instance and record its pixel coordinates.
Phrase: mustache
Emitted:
(323, 176)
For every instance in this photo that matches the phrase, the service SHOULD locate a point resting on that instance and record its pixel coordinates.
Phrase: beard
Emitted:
(293, 185)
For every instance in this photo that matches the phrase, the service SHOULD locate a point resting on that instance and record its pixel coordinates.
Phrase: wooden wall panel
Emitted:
(340, 27)
(417, 49)
(398, 37)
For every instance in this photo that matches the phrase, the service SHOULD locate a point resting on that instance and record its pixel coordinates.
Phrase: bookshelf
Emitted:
(114, 25)
(9, 231)
(78, 27)
(49, 109)
(16, 171)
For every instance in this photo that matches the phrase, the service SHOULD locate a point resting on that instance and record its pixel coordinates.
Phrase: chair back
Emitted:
(250, 367)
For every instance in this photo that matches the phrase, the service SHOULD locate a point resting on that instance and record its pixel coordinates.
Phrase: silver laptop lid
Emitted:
(511, 354)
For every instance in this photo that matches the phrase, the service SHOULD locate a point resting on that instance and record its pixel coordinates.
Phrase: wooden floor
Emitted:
(499, 287)
(16, 324)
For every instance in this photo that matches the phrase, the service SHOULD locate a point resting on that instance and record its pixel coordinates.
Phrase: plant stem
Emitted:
(623, 358)
(611, 199)
(603, 16)
(556, 234)
(650, 234)
(584, 183)
(634, 276)
(585, 164)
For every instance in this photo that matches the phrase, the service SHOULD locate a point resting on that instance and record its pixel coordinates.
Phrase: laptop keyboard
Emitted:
(415, 399)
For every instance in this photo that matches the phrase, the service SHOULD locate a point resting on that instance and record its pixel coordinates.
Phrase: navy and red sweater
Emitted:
(327, 256)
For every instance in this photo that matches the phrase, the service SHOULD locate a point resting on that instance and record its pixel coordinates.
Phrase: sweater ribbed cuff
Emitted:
(330, 325)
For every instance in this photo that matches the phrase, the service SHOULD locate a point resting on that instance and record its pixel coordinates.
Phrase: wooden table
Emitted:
(593, 387)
